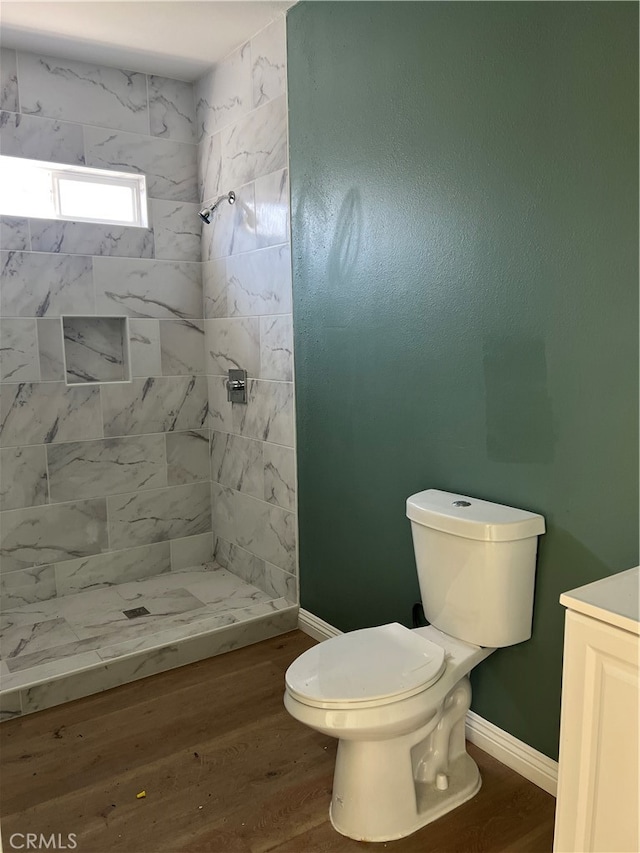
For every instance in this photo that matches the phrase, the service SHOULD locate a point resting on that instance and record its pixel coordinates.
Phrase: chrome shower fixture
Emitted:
(205, 213)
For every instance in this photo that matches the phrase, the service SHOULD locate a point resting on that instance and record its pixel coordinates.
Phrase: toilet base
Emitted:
(464, 784)
(387, 789)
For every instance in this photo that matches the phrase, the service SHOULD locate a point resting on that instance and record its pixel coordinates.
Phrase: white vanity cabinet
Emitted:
(597, 806)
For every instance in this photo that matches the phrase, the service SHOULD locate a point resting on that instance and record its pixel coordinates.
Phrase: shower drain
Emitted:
(135, 612)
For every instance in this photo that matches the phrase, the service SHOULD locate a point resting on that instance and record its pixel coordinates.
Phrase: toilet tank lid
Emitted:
(472, 518)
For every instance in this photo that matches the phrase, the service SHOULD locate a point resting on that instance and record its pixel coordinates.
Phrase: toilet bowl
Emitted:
(396, 699)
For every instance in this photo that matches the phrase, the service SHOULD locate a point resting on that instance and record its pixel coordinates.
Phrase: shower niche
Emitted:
(96, 349)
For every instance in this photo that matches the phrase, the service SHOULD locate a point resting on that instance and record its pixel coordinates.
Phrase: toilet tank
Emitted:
(476, 564)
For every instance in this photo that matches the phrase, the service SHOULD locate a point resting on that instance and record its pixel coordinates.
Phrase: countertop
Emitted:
(614, 599)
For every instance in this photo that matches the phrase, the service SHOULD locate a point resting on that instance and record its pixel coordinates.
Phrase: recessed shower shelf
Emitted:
(96, 350)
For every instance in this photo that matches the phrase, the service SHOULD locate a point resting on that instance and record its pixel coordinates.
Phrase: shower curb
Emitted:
(167, 655)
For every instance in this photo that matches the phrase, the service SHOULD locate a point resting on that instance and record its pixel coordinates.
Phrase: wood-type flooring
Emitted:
(225, 770)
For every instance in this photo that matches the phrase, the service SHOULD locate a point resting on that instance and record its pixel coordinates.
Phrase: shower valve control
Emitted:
(237, 386)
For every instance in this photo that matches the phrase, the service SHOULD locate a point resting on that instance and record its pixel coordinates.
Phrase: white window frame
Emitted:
(50, 207)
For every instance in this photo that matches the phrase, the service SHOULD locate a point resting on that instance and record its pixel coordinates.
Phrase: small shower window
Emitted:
(41, 190)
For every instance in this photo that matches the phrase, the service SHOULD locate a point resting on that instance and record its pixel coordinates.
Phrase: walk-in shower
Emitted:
(146, 520)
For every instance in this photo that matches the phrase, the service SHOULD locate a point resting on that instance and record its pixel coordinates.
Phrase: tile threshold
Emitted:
(209, 624)
(204, 635)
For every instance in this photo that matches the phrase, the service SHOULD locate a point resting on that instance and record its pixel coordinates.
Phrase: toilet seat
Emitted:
(365, 668)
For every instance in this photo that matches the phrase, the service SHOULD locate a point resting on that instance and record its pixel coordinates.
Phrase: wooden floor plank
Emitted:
(225, 768)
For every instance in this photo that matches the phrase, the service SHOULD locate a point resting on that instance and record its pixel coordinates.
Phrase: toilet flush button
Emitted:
(442, 781)
(461, 503)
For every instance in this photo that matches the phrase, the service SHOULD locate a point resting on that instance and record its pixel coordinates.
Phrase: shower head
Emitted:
(205, 213)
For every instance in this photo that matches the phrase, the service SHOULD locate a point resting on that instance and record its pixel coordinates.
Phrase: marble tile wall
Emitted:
(158, 473)
(101, 484)
(241, 125)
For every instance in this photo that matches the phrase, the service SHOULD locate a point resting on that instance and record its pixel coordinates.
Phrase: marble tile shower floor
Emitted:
(71, 633)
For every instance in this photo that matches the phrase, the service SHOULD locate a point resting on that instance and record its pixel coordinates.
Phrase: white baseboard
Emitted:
(519, 756)
(316, 627)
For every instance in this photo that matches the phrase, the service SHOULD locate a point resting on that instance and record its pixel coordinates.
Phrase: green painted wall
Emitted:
(464, 214)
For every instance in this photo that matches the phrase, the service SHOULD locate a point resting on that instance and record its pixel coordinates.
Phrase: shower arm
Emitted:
(205, 213)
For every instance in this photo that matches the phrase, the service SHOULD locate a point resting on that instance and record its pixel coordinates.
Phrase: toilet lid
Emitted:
(389, 662)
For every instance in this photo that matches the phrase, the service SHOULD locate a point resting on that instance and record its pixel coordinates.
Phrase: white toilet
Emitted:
(397, 698)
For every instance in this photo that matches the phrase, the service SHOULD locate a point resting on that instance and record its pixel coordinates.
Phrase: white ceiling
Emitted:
(174, 38)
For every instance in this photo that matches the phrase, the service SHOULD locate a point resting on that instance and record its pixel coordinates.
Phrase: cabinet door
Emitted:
(597, 807)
